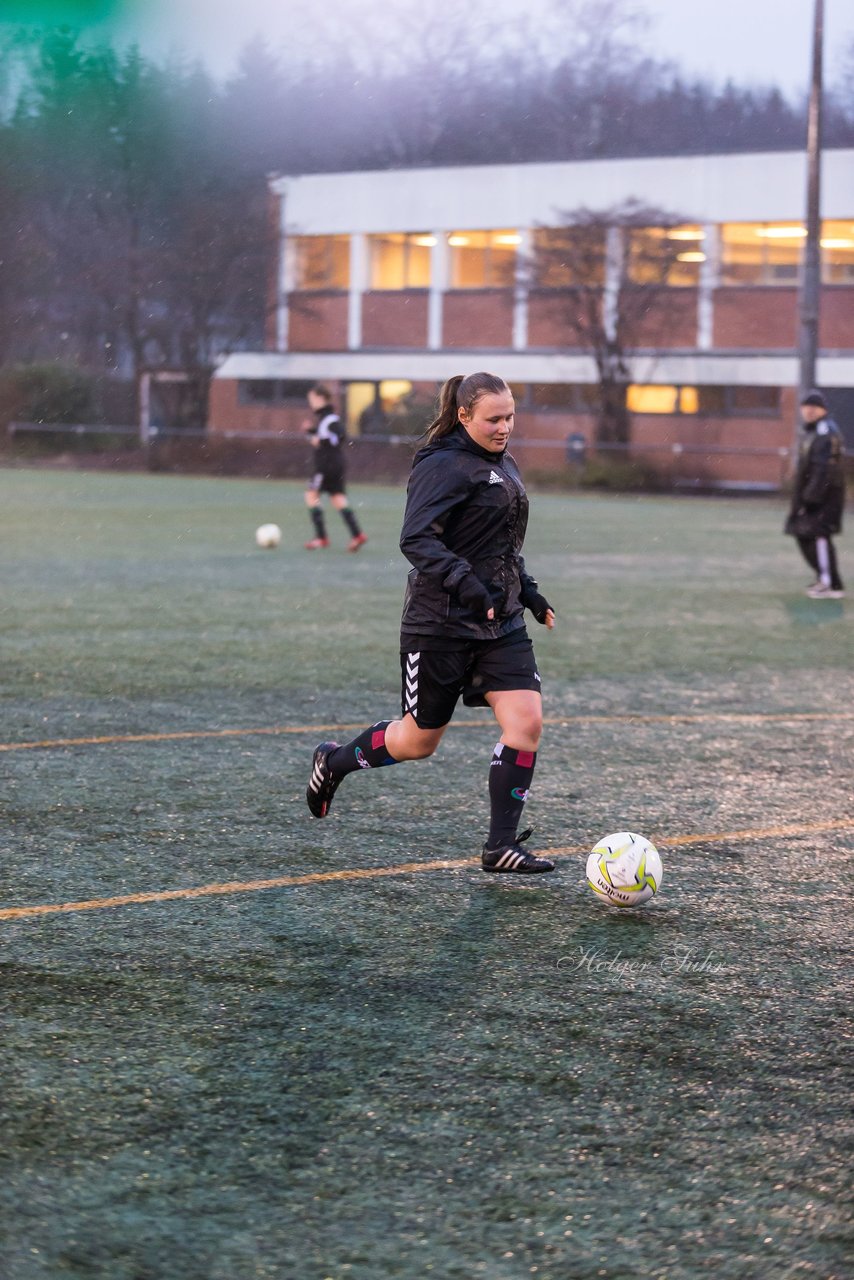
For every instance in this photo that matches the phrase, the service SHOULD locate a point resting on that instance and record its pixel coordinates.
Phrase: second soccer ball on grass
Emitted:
(268, 536)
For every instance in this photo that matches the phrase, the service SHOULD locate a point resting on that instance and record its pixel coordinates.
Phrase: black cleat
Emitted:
(511, 857)
(321, 785)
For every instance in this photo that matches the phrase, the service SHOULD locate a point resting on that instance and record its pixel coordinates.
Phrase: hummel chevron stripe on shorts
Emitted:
(411, 683)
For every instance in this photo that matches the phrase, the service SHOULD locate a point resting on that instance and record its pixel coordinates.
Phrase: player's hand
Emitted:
(540, 607)
(473, 594)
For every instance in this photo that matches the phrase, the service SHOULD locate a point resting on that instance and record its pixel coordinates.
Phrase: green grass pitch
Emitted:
(415, 1072)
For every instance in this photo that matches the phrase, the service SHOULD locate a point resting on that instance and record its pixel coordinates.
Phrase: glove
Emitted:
(473, 594)
(538, 604)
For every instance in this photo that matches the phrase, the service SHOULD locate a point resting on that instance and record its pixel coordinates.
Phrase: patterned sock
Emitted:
(350, 520)
(318, 521)
(367, 751)
(510, 777)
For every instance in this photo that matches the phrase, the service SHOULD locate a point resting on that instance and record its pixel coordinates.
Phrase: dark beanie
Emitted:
(816, 398)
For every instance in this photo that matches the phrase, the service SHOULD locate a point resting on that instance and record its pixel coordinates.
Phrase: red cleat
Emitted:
(316, 544)
(359, 541)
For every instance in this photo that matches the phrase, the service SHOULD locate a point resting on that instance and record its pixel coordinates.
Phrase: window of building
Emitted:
(272, 391)
(567, 257)
(552, 395)
(761, 252)
(652, 399)
(384, 408)
(400, 261)
(665, 255)
(837, 252)
(322, 262)
(482, 259)
(705, 401)
(563, 397)
(712, 402)
(747, 402)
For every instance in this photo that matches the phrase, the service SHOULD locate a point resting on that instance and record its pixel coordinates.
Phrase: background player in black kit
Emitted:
(326, 433)
(463, 630)
(818, 497)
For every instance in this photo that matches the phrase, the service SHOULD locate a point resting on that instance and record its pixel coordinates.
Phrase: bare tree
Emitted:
(608, 273)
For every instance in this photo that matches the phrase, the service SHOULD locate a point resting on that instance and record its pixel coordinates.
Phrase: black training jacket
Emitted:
(819, 490)
(466, 514)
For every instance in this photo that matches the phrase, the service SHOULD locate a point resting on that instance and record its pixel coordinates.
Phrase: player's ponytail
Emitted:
(461, 392)
(446, 418)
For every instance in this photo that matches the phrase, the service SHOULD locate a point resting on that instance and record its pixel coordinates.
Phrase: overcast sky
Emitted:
(752, 41)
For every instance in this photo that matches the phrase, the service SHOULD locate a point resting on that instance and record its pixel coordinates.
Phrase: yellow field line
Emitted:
(404, 868)
(737, 717)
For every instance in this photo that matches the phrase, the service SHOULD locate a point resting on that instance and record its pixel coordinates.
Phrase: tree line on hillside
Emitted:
(135, 228)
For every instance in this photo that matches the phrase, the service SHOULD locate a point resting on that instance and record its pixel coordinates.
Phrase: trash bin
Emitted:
(576, 449)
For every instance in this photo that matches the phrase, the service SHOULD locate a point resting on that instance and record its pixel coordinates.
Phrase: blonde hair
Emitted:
(462, 392)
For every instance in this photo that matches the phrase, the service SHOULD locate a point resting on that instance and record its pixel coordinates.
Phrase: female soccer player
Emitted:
(463, 629)
(326, 433)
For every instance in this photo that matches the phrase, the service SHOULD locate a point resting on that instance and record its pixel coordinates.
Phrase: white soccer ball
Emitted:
(268, 536)
(624, 869)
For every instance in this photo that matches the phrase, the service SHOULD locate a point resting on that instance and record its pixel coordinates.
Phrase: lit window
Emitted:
(482, 259)
(322, 262)
(569, 257)
(689, 400)
(650, 399)
(761, 252)
(399, 261)
(837, 252)
(665, 255)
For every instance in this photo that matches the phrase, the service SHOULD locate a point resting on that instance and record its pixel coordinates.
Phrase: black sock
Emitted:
(350, 520)
(367, 751)
(318, 521)
(510, 777)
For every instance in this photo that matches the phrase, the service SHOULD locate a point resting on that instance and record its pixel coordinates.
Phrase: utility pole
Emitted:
(811, 281)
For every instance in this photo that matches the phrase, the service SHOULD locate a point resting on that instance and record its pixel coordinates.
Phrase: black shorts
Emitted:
(432, 681)
(328, 479)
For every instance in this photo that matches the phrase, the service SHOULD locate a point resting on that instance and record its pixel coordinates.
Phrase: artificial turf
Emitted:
(422, 1072)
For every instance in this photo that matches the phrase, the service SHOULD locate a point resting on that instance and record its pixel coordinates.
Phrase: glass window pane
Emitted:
(741, 253)
(761, 252)
(665, 255)
(418, 261)
(837, 252)
(482, 259)
(322, 262)
(387, 260)
(399, 261)
(755, 399)
(258, 391)
(711, 400)
(650, 399)
(569, 256)
(553, 395)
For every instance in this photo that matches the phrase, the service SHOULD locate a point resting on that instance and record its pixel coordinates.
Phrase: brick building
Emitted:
(387, 283)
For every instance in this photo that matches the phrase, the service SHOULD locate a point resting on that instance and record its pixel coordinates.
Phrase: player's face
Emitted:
(490, 422)
(812, 412)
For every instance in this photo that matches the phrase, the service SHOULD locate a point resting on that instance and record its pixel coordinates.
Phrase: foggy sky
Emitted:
(754, 42)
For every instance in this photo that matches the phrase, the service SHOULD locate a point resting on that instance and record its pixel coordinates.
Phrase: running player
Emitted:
(326, 433)
(463, 630)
